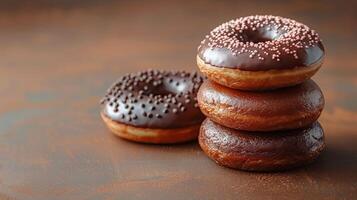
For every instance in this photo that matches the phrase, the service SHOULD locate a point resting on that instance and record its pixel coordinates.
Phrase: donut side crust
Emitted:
(223, 114)
(150, 135)
(239, 153)
(257, 80)
(296, 107)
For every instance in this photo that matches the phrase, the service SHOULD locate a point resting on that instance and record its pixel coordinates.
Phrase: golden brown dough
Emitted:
(280, 109)
(150, 135)
(257, 80)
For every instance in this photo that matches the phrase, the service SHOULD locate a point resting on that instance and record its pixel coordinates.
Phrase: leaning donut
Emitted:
(154, 107)
(261, 152)
(260, 52)
(286, 108)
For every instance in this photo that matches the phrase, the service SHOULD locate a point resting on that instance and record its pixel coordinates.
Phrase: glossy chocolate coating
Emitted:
(280, 109)
(222, 57)
(155, 99)
(258, 43)
(255, 151)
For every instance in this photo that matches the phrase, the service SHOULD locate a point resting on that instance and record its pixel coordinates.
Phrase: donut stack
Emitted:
(261, 105)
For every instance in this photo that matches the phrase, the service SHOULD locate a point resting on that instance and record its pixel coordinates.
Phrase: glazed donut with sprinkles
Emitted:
(260, 52)
(154, 106)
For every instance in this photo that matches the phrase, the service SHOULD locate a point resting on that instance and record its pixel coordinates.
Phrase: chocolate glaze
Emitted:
(222, 57)
(261, 152)
(258, 43)
(154, 99)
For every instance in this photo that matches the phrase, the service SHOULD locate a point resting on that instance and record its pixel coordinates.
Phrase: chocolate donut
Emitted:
(260, 52)
(154, 106)
(280, 109)
(261, 152)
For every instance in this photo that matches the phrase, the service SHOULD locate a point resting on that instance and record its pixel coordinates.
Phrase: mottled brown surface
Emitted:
(281, 109)
(57, 60)
(252, 151)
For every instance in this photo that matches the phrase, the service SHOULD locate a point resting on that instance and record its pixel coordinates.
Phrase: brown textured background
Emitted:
(57, 58)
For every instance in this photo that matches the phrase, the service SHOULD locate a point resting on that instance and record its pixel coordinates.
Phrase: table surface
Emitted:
(57, 60)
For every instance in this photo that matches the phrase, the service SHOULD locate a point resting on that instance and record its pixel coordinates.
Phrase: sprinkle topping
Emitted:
(262, 38)
(265, 33)
(154, 98)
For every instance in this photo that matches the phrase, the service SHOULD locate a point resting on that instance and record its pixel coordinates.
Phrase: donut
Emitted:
(154, 106)
(260, 52)
(261, 152)
(280, 109)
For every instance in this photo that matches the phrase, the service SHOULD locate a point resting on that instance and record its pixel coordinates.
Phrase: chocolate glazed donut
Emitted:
(261, 152)
(260, 52)
(281, 109)
(154, 107)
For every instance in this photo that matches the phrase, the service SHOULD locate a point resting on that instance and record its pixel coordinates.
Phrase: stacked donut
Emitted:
(154, 106)
(261, 105)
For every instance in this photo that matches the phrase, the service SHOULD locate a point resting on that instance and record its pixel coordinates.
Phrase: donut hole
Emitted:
(175, 87)
(160, 91)
(168, 88)
(263, 34)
